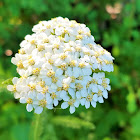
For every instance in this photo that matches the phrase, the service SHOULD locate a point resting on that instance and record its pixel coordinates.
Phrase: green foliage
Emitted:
(119, 117)
(72, 122)
(7, 82)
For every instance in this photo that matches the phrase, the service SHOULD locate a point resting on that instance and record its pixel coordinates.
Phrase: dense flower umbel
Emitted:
(58, 63)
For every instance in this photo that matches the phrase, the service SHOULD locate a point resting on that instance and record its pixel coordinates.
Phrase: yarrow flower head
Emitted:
(61, 64)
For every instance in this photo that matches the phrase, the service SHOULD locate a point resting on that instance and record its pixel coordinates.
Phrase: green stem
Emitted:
(36, 136)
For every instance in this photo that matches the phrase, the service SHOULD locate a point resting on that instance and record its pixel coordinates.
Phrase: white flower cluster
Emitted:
(61, 64)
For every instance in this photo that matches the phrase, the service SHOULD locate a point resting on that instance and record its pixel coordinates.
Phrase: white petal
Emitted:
(76, 72)
(72, 85)
(32, 95)
(10, 87)
(66, 98)
(100, 99)
(71, 92)
(49, 106)
(19, 88)
(55, 102)
(64, 105)
(59, 83)
(38, 88)
(17, 95)
(87, 71)
(95, 97)
(84, 93)
(76, 103)
(108, 88)
(49, 99)
(105, 94)
(14, 60)
(83, 100)
(53, 86)
(29, 107)
(72, 109)
(63, 94)
(99, 81)
(94, 88)
(67, 80)
(87, 104)
(38, 109)
(40, 96)
(14, 80)
(78, 94)
(22, 100)
(93, 103)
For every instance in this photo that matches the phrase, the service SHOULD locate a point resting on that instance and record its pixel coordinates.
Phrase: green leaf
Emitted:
(20, 131)
(131, 99)
(7, 82)
(135, 123)
(72, 122)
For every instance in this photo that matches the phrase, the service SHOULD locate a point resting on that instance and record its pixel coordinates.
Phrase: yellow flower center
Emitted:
(71, 102)
(63, 66)
(89, 97)
(53, 95)
(54, 79)
(99, 61)
(59, 88)
(36, 71)
(92, 93)
(40, 47)
(72, 63)
(90, 46)
(79, 37)
(102, 52)
(61, 38)
(33, 41)
(29, 101)
(42, 103)
(31, 62)
(100, 93)
(46, 40)
(66, 31)
(56, 46)
(79, 86)
(65, 87)
(104, 85)
(108, 62)
(50, 73)
(80, 78)
(72, 25)
(73, 79)
(45, 89)
(68, 50)
(96, 54)
(21, 51)
(78, 49)
(14, 88)
(87, 53)
(48, 26)
(94, 81)
(80, 31)
(51, 61)
(88, 34)
(32, 86)
(41, 83)
(20, 65)
(63, 56)
(88, 84)
(82, 65)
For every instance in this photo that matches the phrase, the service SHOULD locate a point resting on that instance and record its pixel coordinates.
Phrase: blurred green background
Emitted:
(115, 24)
